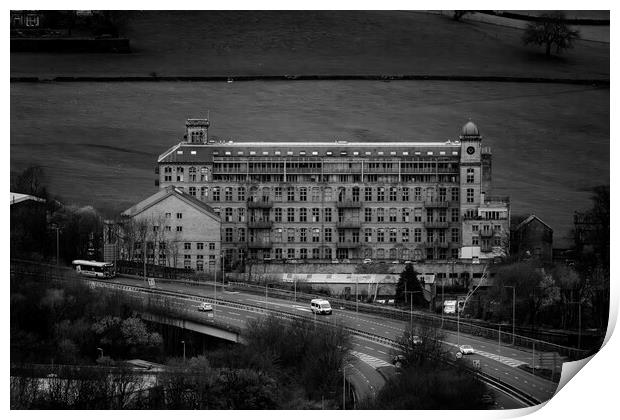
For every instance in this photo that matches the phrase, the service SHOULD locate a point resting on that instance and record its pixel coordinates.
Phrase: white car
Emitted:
(367, 261)
(416, 340)
(205, 307)
(466, 349)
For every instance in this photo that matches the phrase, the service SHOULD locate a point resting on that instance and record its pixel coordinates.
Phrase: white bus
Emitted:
(94, 268)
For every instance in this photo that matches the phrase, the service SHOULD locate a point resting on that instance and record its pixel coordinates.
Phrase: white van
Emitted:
(320, 306)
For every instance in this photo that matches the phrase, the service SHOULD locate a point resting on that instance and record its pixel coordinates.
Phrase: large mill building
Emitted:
(325, 201)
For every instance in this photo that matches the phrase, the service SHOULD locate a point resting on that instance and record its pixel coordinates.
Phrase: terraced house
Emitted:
(320, 201)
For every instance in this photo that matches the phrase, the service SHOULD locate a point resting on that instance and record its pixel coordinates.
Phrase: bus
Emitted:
(94, 268)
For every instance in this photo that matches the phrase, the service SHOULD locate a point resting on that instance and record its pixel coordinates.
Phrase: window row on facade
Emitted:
(317, 194)
(327, 253)
(367, 235)
(331, 215)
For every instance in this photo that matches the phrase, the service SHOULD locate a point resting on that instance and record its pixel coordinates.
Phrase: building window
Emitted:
(454, 196)
(241, 215)
(380, 215)
(417, 215)
(303, 253)
(155, 228)
(368, 214)
(429, 215)
(470, 175)
(406, 235)
(429, 236)
(290, 194)
(240, 193)
(328, 194)
(179, 215)
(368, 194)
(328, 234)
(475, 240)
(367, 235)
(356, 194)
(417, 235)
(393, 235)
(454, 214)
(192, 174)
(316, 194)
(168, 228)
(278, 215)
(204, 192)
(442, 215)
(328, 253)
(187, 245)
(216, 193)
(406, 194)
(278, 253)
(211, 246)
(470, 195)
(380, 194)
(455, 253)
(316, 215)
(290, 253)
(341, 236)
(474, 228)
(290, 235)
(303, 215)
(316, 235)
(328, 215)
(417, 193)
(455, 235)
(393, 215)
(380, 235)
(392, 193)
(200, 246)
(290, 215)
(278, 196)
(179, 228)
(228, 234)
(405, 215)
(241, 234)
(303, 194)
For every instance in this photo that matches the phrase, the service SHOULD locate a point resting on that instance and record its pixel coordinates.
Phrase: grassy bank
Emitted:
(181, 43)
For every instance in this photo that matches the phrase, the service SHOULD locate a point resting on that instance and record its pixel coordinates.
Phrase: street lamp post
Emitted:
(513, 312)
(499, 341)
(344, 381)
(183, 342)
(223, 270)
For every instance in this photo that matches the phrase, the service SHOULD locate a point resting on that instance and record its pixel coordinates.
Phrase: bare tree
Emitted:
(550, 30)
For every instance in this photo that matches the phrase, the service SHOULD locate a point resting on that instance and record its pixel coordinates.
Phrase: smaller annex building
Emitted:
(179, 231)
(532, 238)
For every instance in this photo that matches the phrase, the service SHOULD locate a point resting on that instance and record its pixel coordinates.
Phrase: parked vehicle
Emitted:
(205, 307)
(320, 306)
(416, 340)
(335, 261)
(367, 261)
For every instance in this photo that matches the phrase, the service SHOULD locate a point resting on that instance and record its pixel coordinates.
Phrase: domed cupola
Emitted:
(469, 130)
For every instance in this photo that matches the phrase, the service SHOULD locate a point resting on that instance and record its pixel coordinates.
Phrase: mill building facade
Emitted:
(345, 201)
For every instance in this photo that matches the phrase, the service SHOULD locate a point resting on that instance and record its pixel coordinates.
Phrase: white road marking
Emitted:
(369, 348)
(235, 313)
(381, 351)
(368, 359)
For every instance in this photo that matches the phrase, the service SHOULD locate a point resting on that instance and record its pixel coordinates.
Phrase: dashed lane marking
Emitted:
(369, 348)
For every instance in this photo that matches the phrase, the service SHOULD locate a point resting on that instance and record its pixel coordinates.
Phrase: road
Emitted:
(501, 363)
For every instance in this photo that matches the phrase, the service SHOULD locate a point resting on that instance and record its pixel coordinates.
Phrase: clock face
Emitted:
(470, 150)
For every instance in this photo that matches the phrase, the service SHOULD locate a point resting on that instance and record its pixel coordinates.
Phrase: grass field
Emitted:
(99, 142)
(180, 43)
